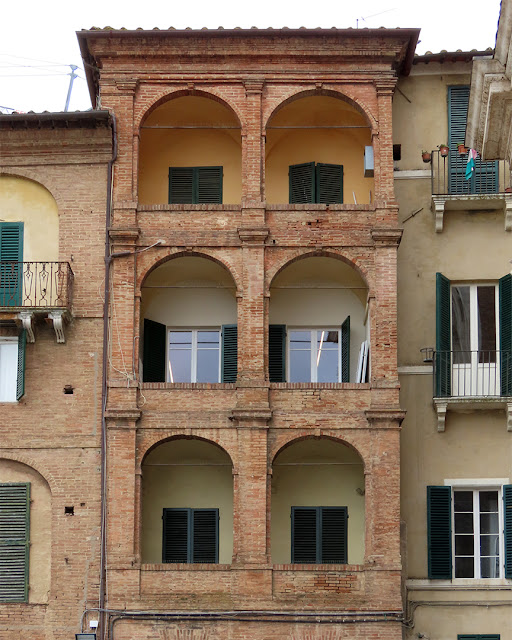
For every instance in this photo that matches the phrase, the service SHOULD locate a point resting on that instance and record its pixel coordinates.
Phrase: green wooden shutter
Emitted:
(507, 519)
(11, 267)
(345, 350)
(329, 183)
(304, 535)
(181, 185)
(205, 535)
(439, 532)
(302, 183)
(209, 185)
(333, 535)
(277, 352)
(20, 378)
(153, 353)
(505, 294)
(492, 636)
(443, 337)
(14, 541)
(175, 539)
(229, 366)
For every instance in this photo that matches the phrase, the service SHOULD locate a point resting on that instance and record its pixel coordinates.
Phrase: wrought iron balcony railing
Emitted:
(480, 373)
(448, 174)
(36, 285)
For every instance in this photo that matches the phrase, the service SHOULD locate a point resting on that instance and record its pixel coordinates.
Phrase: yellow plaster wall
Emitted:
(40, 526)
(22, 200)
(300, 478)
(199, 476)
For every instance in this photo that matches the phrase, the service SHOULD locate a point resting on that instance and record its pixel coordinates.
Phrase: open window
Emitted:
(12, 367)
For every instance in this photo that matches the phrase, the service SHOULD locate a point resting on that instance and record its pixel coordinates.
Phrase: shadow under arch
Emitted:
(184, 436)
(29, 175)
(296, 439)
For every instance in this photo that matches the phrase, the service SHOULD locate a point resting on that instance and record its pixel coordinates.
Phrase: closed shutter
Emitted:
(304, 535)
(209, 185)
(507, 519)
(14, 542)
(505, 294)
(493, 636)
(334, 535)
(20, 379)
(345, 350)
(277, 352)
(205, 536)
(154, 351)
(329, 183)
(175, 535)
(439, 532)
(443, 337)
(181, 185)
(302, 183)
(229, 352)
(11, 268)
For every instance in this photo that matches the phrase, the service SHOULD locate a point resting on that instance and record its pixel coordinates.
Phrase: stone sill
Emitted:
(292, 386)
(332, 568)
(170, 386)
(186, 567)
(459, 584)
(175, 208)
(465, 404)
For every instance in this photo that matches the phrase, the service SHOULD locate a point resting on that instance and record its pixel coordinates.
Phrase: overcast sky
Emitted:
(37, 38)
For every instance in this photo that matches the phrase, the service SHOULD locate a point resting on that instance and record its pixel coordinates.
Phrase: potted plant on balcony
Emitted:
(443, 150)
(426, 156)
(462, 149)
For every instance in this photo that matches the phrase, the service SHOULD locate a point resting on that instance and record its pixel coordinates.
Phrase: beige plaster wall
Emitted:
(23, 200)
(192, 474)
(316, 473)
(164, 148)
(335, 146)
(40, 526)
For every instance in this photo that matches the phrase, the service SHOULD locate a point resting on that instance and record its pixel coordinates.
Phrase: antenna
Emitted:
(72, 77)
(373, 16)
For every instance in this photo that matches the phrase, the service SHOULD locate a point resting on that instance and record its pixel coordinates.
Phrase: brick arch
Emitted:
(159, 260)
(317, 253)
(294, 94)
(33, 176)
(36, 466)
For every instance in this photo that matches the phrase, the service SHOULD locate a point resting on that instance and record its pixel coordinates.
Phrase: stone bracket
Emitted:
(253, 236)
(471, 202)
(441, 408)
(508, 410)
(58, 318)
(438, 211)
(27, 321)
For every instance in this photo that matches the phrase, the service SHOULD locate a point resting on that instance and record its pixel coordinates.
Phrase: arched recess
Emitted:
(39, 534)
(189, 322)
(319, 330)
(315, 151)
(190, 152)
(187, 503)
(318, 481)
(33, 208)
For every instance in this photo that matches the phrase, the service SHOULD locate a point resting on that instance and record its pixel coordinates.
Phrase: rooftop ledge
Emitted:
(464, 404)
(442, 204)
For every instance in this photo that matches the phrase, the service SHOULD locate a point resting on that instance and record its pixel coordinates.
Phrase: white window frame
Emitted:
(314, 352)
(193, 352)
(9, 372)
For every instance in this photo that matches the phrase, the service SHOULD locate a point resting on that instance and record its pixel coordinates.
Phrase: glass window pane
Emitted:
(463, 500)
(489, 545)
(464, 545)
(182, 339)
(489, 568)
(489, 501)
(463, 523)
(461, 324)
(207, 365)
(489, 523)
(486, 323)
(300, 339)
(328, 339)
(179, 365)
(208, 339)
(464, 567)
(300, 366)
(327, 369)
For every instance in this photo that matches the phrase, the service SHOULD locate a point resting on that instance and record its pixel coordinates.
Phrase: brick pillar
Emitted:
(252, 146)
(383, 151)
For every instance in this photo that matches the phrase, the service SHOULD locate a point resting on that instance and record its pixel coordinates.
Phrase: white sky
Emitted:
(35, 32)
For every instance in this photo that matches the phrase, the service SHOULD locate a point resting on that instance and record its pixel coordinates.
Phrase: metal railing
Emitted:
(37, 285)
(472, 373)
(448, 175)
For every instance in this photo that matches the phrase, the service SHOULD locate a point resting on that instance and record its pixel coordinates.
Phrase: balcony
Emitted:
(489, 189)
(472, 380)
(30, 288)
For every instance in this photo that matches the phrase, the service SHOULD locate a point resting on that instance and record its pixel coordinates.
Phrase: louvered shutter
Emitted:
(14, 542)
(304, 535)
(11, 267)
(154, 351)
(175, 545)
(333, 535)
(302, 183)
(507, 519)
(345, 350)
(209, 185)
(181, 185)
(439, 532)
(505, 294)
(329, 183)
(229, 365)
(443, 337)
(205, 535)
(20, 377)
(277, 352)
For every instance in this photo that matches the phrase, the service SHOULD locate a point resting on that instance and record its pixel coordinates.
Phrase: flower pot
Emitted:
(462, 149)
(443, 150)
(426, 156)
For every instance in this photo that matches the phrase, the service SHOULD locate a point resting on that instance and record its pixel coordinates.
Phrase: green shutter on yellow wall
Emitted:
(14, 541)
(439, 532)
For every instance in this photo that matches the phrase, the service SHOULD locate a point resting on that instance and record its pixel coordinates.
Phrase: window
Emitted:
(190, 535)
(314, 355)
(494, 636)
(189, 355)
(11, 268)
(319, 535)
(473, 338)
(468, 535)
(195, 185)
(12, 368)
(321, 183)
(14, 541)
